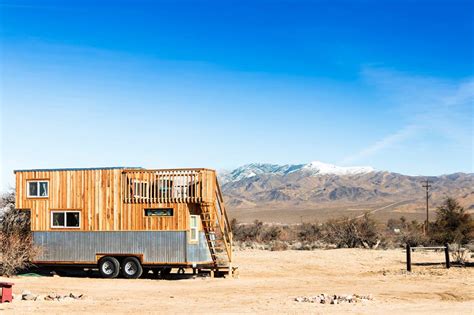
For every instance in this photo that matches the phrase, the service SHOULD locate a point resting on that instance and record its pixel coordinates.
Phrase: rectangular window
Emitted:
(65, 219)
(159, 212)
(38, 189)
(194, 228)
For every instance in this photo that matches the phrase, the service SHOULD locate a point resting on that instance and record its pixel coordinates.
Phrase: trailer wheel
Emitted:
(109, 267)
(131, 268)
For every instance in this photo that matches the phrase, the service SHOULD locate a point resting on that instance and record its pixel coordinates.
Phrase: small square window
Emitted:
(72, 219)
(58, 219)
(37, 189)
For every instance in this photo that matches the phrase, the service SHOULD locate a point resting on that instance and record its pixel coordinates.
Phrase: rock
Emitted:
(49, 297)
(75, 296)
(28, 297)
(324, 298)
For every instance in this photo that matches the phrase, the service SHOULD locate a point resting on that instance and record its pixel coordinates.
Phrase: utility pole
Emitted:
(427, 186)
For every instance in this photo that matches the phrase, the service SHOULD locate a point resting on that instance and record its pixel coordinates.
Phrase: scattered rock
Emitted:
(334, 299)
(28, 296)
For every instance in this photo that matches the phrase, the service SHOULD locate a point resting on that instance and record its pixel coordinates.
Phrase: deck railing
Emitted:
(164, 186)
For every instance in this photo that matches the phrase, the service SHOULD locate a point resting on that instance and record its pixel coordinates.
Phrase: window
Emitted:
(159, 212)
(38, 189)
(194, 224)
(65, 219)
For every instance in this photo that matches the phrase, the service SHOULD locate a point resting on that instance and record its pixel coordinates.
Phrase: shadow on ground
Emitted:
(94, 273)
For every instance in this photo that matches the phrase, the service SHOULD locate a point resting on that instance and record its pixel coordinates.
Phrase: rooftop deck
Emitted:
(169, 185)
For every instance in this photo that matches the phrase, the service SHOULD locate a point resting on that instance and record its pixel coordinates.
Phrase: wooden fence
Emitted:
(410, 249)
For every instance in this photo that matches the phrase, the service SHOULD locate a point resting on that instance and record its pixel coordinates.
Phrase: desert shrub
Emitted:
(399, 232)
(459, 254)
(260, 233)
(309, 232)
(247, 232)
(399, 224)
(341, 232)
(271, 233)
(453, 224)
(352, 233)
(278, 246)
(16, 246)
(412, 234)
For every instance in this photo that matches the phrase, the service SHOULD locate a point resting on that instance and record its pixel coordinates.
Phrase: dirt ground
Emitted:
(268, 283)
(321, 213)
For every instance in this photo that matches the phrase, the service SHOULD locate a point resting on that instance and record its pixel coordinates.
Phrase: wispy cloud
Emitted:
(429, 105)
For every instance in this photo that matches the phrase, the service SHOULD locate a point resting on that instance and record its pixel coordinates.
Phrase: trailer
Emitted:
(123, 220)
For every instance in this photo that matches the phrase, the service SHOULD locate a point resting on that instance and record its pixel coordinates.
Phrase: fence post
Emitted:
(446, 254)
(408, 257)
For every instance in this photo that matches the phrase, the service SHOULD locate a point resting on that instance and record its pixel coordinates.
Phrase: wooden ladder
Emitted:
(208, 225)
(218, 232)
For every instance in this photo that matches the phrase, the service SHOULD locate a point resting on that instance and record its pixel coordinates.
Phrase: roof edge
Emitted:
(75, 169)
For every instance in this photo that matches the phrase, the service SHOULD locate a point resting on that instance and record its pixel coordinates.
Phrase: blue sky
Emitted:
(218, 84)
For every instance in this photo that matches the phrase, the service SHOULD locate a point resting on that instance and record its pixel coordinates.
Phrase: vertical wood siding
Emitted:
(98, 194)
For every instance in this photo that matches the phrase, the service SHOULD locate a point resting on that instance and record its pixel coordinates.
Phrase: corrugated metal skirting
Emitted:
(155, 246)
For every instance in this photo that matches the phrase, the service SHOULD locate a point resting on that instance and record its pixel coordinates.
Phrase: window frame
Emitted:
(38, 182)
(158, 216)
(191, 228)
(52, 212)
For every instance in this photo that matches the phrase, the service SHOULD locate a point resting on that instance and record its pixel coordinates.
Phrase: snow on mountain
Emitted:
(320, 168)
(254, 169)
(314, 168)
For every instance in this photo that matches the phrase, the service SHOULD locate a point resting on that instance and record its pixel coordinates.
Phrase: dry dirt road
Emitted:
(268, 283)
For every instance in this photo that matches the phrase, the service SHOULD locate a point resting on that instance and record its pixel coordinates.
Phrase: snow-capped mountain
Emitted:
(320, 168)
(317, 185)
(314, 168)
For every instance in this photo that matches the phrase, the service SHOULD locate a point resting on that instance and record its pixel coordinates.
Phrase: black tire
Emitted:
(109, 267)
(131, 268)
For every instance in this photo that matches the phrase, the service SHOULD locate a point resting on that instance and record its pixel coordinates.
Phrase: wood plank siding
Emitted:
(115, 199)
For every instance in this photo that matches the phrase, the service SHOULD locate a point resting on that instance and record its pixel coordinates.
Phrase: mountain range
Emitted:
(317, 190)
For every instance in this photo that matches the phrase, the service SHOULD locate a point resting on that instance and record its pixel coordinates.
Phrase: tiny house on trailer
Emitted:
(123, 220)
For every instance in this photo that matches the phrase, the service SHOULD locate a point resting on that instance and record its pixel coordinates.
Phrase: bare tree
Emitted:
(16, 245)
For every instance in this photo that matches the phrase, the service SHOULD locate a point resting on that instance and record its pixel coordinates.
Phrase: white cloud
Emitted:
(429, 105)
